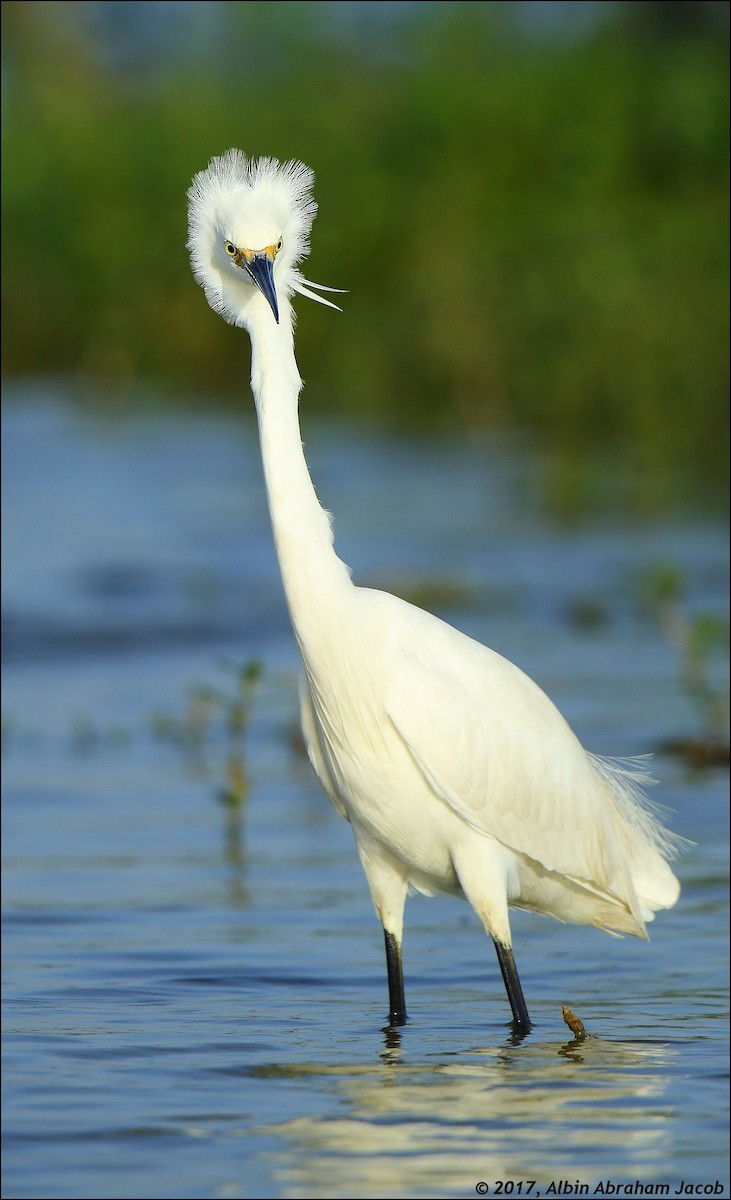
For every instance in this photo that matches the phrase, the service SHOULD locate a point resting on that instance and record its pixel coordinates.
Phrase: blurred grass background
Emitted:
(527, 203)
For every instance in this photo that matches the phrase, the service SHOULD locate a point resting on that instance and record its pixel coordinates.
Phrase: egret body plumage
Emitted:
(455, 770)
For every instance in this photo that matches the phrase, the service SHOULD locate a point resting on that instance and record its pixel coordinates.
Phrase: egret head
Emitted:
(249, 222)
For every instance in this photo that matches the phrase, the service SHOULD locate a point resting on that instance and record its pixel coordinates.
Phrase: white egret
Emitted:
(454, 769)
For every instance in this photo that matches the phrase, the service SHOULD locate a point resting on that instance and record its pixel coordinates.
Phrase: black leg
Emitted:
(512, 986)
(395, 980)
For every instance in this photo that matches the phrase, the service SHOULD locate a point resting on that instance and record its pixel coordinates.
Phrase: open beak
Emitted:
(261, 273)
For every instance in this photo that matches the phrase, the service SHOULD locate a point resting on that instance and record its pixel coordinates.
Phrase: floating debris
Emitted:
(574, 1023)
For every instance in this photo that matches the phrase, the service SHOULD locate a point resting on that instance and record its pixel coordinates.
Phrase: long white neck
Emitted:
(312, 574)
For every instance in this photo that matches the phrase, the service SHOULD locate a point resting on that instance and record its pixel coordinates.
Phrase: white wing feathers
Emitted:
(491, 745)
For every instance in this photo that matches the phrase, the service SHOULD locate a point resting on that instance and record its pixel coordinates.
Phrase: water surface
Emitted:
(195, 986)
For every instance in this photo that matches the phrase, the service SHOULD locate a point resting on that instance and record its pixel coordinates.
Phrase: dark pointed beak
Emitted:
(261, 272)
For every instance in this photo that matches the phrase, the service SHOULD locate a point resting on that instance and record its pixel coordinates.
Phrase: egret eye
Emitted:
(279, 245)
(230, 249)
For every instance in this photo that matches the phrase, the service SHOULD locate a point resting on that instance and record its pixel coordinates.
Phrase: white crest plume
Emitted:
(241, 199)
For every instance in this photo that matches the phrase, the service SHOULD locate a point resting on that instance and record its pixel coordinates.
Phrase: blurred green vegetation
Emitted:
(532, 229)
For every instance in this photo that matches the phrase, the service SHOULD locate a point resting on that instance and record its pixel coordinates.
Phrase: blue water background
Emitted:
(194, 986)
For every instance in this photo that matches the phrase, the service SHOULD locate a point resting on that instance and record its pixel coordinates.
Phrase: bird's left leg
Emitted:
(388, 886)
(394, 966)
(512, 985)
(485, 870)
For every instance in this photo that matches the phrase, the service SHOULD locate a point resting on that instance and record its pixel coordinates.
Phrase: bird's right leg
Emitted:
(388, 887)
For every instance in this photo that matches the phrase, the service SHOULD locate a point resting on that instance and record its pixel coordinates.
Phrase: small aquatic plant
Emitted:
(698, 639)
